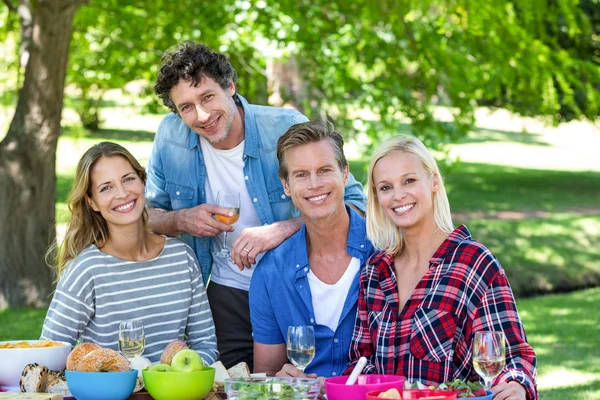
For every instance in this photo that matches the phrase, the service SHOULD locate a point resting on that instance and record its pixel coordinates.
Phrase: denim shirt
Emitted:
(280, 296)
(177, 172)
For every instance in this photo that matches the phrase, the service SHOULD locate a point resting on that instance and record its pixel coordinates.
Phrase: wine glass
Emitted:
(131, 338)
(231, 201)
(301, 345)
(489, 355)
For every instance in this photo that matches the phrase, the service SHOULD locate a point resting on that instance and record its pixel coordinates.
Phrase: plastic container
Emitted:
(337, 389)
(272, 388)
(170, 385)
(411, 394)
(101, 385)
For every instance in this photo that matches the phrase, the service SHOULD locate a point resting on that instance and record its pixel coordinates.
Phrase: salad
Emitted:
(463, 390)
(272, 389)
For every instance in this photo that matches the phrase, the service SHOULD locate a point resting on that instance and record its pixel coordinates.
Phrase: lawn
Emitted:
(541, 224)
(563, 330)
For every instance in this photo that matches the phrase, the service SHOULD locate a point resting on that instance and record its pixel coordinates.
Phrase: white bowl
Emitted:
(12, 361)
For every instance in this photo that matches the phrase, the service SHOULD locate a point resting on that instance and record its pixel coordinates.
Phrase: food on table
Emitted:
(34, 378)
(103, 360)
(139, 363)
(239, 370)
(30, 396)
(186, 360)
(272, 388)
(172, 348)
(390, 394)
(464, 390)
(26, 345)
(178, 357)
(57, 383)
(77, 354)
(37, 378)
(160, 367)
(220, 374)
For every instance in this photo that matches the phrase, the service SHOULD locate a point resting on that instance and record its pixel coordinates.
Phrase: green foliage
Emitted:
(375, 67)
(396, 57)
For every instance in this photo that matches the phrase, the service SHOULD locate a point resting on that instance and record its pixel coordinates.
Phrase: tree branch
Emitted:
(10, 6)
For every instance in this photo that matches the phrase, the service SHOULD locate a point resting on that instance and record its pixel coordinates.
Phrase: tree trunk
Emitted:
(286, 87)
(27, 160)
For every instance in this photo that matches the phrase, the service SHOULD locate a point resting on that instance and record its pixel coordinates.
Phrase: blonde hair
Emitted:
(381, 231)
(87, 226)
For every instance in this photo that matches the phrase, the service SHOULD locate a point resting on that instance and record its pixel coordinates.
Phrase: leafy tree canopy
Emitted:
(373, 66)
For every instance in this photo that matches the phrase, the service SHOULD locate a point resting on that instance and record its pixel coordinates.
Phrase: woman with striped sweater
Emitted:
(112, 268)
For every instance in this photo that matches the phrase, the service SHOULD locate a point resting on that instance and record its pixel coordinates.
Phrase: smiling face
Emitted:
(210, 111)
(405, 190)
(315, 182)
(116, 191)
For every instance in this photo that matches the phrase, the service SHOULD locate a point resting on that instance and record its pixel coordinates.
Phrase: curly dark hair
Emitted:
(191, 61)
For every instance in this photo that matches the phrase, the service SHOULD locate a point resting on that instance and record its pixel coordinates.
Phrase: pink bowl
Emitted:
(416, 394)
(337, 389)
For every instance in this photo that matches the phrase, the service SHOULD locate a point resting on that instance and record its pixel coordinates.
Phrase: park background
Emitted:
(507, 93)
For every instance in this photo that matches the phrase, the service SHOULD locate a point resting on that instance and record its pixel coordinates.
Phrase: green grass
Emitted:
(565, 334)
(491, 188)
(542, 255)
(562, 329)
(21, 323)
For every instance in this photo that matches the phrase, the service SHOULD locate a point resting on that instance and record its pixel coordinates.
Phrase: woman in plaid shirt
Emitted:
(430, 287)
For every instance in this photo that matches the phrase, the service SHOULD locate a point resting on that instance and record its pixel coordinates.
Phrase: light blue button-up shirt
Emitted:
(177, 172)
(280, 296)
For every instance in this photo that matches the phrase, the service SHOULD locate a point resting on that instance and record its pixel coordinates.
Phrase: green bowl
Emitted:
(179, 385)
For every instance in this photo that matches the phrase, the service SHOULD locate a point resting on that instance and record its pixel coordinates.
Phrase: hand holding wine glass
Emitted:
(231, 201)
(489, 355)
(131, 338)
(300, 345)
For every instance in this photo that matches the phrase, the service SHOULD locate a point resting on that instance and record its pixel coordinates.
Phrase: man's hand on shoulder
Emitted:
(253, 241)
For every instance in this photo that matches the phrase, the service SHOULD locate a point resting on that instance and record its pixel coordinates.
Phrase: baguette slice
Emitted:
(239, 370)
(57, 383)
(220, 373)
(34, 378)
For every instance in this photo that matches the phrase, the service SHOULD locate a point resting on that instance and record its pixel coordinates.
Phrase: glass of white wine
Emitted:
(489, 355)
(301, 345)
(131, 338)
(231, 201)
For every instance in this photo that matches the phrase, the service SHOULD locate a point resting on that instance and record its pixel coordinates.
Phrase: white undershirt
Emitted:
(225, 171)
(328, 300)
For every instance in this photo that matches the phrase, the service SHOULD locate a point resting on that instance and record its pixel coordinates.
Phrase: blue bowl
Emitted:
(486, 397)
(101, 385)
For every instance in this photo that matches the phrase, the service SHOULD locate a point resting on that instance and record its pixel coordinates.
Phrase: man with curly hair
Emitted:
(214, 140)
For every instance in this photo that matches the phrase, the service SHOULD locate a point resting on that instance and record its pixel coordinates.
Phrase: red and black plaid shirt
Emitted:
(464, 291)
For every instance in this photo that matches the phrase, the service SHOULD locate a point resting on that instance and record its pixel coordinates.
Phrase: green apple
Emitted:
(186, 360)
(160, 368)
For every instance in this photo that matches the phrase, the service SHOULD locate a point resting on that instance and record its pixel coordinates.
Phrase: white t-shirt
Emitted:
(225, 171)
(328, 300)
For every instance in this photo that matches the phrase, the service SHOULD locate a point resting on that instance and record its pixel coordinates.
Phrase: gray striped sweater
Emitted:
(98, 291)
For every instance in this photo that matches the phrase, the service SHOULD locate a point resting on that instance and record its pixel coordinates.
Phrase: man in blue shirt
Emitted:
(213, 141)
(312, 278)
